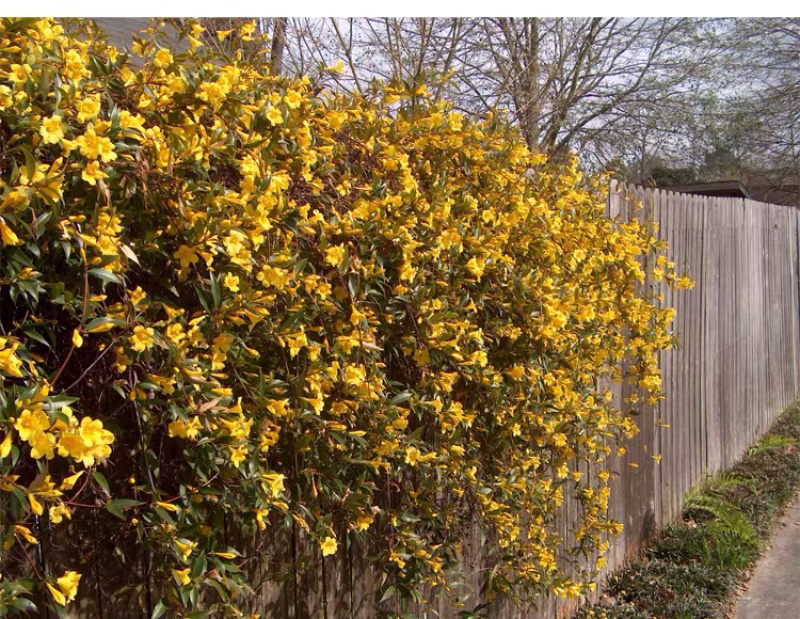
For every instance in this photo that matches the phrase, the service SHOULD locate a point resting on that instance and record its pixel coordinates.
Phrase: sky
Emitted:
(418, 8)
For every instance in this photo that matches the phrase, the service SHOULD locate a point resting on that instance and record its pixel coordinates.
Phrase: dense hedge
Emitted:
(234, 301)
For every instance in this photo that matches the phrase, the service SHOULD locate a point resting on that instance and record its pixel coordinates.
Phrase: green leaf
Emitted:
(37, 337)
(202, 297)
(199, 567)
(105, 275)
(159, 610)
(216, 292)
(116, 506)
(101, 481)
(400, 398)
(388, 594)
(129, 254)
(57, 402)
(30, 162)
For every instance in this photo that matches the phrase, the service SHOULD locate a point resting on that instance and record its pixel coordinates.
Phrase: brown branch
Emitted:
(83, 317)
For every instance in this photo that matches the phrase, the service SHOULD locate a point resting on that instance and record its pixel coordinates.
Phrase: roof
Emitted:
(730, 189)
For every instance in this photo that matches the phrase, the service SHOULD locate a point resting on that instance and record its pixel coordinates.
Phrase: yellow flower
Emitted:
(238, 454)
(183, 429)
(26, 533)
(182, 576)
(42, 444)
(338, 67)
(412, 456)
(475, 267)
(328, 546)
(293, 99)
(247, 30)
(57, 595)
(354, 375)
(273, 276)
(69, 482)
(275, 482)
(231, 282)
(35, 505)
(213, 93)
(363, 521)
(356, 316)
(68, 584)
(142, 338)
(9, 362)
(95, 146)
(74, 67)
(52, 129)
(7, 235)
(334, 255)
(5, 446)
(93, 434)
(29, 423)
(71, 444)
(6, 98)
(77, 340)
(92, 172)
(277, 407)
(260, 513)
(275, 116)
(397, 559)
(163, 58)
(186, 255)
(88, 108)
(19, 73)
(185, 548)
(137, 295)
(58, 512)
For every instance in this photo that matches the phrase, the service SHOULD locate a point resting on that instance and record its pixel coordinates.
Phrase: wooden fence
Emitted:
(738, 362)
(736, 368)
(737, 365)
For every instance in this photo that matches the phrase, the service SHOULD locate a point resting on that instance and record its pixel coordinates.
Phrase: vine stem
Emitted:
(94, 363)
(28, 557)
(83, 316)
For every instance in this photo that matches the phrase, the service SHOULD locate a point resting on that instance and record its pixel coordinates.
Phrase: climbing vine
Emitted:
(232, 304)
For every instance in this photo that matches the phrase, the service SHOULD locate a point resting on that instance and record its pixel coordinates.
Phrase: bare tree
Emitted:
(568, 83)
(765, 54)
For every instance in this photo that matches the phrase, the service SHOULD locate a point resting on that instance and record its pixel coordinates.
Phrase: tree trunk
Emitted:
(533, 106)
(278, 43)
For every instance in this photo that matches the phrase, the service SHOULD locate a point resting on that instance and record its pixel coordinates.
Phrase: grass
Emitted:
(695, 566)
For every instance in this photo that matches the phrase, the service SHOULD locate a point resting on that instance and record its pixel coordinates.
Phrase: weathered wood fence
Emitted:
(738, 363)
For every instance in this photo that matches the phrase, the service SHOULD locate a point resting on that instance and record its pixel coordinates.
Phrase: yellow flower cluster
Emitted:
(362, 315)
(85, 442)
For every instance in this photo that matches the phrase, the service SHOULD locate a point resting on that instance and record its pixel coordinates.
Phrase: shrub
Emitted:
(234, 302)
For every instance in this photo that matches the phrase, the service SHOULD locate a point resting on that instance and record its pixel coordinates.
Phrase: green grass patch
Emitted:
(693, 568)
